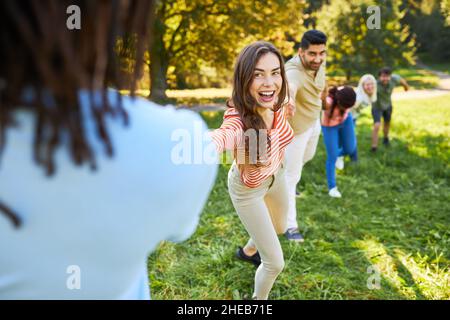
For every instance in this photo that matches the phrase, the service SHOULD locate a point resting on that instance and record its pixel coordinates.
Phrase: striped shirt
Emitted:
(230, 136)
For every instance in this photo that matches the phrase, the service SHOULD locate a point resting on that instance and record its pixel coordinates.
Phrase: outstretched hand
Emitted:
(290, 108)
(404, 84)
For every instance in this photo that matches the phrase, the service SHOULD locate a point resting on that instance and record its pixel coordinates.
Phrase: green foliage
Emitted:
(429, 21)
(445, 8)
(393, 216)
(355, 48)
(196, 42)
(199, 39)
(311, 11)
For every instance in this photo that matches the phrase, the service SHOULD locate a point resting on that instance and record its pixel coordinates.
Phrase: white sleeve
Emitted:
(192, 184)
(294, 82)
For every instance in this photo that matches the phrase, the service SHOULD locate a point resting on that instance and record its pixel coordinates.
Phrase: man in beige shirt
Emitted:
(306, 77)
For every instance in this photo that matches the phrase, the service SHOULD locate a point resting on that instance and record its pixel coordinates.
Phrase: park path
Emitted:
(442, 88)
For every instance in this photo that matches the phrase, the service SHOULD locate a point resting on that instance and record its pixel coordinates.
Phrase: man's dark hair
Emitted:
(385, 70)
(39, 52)
(313, 37)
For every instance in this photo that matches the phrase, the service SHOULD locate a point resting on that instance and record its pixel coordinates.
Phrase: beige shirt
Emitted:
(307, 88)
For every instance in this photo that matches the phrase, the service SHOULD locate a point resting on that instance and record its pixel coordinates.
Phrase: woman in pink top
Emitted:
(338, 131)
(256, 130)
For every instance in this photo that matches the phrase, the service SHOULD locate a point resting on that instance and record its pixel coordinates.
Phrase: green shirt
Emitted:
(384, 92)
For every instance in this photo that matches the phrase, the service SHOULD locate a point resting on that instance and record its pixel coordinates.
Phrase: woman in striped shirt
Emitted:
(256, 130)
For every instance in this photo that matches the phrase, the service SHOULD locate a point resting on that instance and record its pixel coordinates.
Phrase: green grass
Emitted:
(394, 215)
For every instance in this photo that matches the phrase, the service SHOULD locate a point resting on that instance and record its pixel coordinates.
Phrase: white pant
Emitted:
(298, 152)
(263, 211)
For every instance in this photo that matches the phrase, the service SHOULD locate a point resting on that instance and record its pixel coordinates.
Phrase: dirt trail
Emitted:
(442, 88)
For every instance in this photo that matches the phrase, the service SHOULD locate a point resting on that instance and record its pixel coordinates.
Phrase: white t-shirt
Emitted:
(95, 230)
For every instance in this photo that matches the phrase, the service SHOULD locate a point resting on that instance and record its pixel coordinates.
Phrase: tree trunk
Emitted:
(158, 65)
(349, 74)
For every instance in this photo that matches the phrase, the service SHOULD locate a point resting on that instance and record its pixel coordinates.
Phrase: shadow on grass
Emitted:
(395, 196)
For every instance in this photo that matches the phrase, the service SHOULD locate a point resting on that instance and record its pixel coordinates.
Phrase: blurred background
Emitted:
(196, 42)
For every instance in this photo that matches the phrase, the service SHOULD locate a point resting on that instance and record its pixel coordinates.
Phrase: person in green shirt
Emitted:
(382, 107)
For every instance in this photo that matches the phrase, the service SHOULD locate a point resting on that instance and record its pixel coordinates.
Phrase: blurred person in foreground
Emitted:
(86, 177)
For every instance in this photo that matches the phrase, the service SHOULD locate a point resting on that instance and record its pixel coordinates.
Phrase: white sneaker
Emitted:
(340, 163)
(334, 193)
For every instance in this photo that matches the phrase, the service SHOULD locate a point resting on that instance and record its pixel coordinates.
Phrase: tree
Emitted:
(445, 9)
(188, 34)
(311, 11)
(356, 48)
(430, 22)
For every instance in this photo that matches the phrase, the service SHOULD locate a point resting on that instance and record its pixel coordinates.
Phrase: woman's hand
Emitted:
(290, 108)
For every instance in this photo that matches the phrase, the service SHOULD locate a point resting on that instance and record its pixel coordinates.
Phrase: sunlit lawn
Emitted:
(417, 79)
(394, 217)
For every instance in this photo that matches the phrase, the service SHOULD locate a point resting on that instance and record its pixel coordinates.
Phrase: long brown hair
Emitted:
(38, 51)
(241, 98)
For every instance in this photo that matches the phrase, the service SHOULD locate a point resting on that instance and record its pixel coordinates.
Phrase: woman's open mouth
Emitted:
(266, 96)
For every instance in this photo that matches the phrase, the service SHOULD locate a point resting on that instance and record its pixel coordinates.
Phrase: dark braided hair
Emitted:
(38, 51)
(343, 98)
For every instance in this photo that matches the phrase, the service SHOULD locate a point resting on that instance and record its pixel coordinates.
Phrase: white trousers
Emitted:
(263, 212)
(298, 152)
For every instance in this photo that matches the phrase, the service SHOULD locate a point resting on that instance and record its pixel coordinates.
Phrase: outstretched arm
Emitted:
(290, 105)
(399, 80)
(323, 97)
(404, 84)
(228, 136)
(293, 80)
